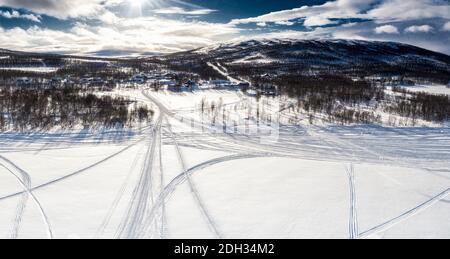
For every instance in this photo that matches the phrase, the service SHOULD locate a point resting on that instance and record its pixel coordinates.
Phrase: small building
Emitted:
(170, 75)
(98, 81)
(268, 89)
(23, 80)
(92, 81)
(244, 86)
(220, 83)
(168, 83)
(56, 81)
(190, 85)
(85, 80)
(138, 79)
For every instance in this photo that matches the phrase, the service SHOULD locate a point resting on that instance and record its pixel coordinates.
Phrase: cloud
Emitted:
(286, 23)
(65, 9)
(389, 29)
(108, 18)
(179, 10)
(380, 11)
(131, 35)
(417, 28)
(369, 20)
(17, 15)
(340, 9)
(446, 27)
(62, 8)
(401, 10)
(337, 9)
(104, 26)
(317, 21)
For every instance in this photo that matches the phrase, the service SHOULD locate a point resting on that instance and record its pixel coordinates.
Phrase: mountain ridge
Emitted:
(230, 43)
(348, 57)
(352, 58)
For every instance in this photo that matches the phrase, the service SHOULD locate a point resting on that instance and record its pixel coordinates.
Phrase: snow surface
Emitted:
(432, 89)
(184, 177)
(31, 69)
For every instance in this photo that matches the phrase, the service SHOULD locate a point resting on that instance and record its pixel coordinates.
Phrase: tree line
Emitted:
(22, 110)
(421, 105)
(347, 101)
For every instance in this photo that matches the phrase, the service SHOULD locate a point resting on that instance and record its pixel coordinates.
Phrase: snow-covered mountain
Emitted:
(321, 51)
(344, 57)
(360, 57)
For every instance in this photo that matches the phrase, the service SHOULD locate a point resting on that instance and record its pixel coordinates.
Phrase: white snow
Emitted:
(255, 58)
(185, 178)
(432, 89)
(31, 69)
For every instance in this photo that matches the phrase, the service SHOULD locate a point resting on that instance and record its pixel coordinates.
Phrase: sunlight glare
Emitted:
(136, 3)
(136, 6)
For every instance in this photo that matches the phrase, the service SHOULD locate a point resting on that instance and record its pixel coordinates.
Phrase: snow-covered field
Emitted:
(43, 69)
(194, 174)
(432, 89)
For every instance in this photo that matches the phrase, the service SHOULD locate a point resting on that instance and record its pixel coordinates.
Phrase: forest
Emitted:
(22, 110)
(420, 105)
(347, 101)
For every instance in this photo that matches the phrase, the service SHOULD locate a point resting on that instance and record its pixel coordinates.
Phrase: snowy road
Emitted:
(184, 177)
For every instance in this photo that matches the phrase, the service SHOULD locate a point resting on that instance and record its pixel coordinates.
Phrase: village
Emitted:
(172, 81)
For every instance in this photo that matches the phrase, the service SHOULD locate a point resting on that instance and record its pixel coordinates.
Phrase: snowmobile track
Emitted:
(25, 181)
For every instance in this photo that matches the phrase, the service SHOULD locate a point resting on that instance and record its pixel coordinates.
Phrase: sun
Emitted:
(137, 3)
(136, 6)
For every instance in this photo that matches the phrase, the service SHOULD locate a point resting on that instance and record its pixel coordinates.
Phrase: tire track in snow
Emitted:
(165, 111)
(74, 173)
(161, 187)
(406, 215)
(142, 198)
(183, 177)
(353, 219)
(100, 231)
(193, 188)
(25, 181)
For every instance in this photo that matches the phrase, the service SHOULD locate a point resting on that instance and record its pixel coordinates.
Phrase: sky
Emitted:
(147, 27)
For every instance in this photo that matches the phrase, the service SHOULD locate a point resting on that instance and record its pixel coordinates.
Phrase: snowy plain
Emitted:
(43, 69)
(222, 172)
(432, 89)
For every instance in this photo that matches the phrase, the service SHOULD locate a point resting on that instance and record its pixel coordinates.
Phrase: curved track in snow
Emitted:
(70, 175)
(24, 180)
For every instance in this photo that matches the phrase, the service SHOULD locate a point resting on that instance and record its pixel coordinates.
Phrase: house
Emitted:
(97, 81)
(85, 80)
(23, 80)
(138, 79)
(92, 81)
(244, 86)
(220, 83)
(190, 85)
(270, 91)
(266, 76)
(170, 75)
(56, 81)
(168, 83)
